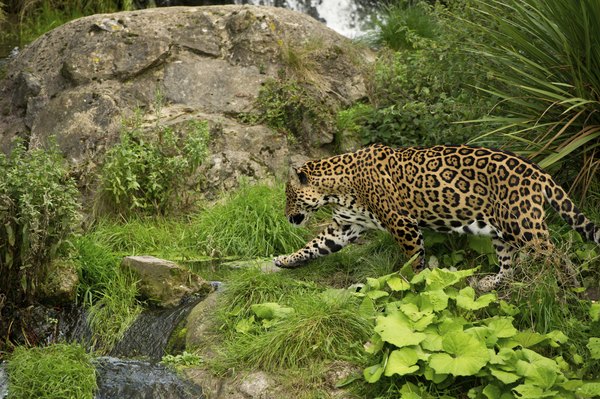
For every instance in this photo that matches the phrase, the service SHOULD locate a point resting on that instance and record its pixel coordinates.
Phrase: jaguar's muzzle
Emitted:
(298, 218)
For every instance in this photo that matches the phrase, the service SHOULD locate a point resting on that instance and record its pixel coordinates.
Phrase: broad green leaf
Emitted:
(424, 322)
(595, 311)
(442, 278)
(433, 376)
(373, 283)
(410, 391)
(509, 309)
(374, 345)
(450, 324)
(433, 340)
(503, 357)
(271, 310)
(506, 377)
(244, 326)
(483, 334)
(402, 361)
(420, 277)
(557, 337)
(493, 391)
(466, 299)
(529, 391)
(529, 338)
(376, 294)
(481, 244)
(396, 329)
(437, 298)
(397, 283)
(536, 369)
(502, 327)
(372, 374)
(464, 356)
(594, 346)
(367, 307)
(589, 390)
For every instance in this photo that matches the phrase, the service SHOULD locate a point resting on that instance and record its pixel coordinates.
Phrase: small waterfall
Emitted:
(348, 17)
(150, 332)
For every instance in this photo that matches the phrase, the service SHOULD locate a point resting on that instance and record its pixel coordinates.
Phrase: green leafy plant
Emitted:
(418, 95)
(290, 106)
(182, 360)
(54, 372)
(38, 211)
(402, 24)
(543, 57)
(147, 171)
(428, 327)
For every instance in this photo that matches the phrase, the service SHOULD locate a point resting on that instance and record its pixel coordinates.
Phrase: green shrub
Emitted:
(147, 171)
(290, 106)
(430, 329)
(38, 210)
(544, 60)
(402, 24)
(54, 372)
(419, 95)
(249, 223)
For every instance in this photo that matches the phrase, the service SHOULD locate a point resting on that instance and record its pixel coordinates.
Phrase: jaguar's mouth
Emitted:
(296, 219)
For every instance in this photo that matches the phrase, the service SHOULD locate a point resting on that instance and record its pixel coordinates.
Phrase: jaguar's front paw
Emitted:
(285, 262)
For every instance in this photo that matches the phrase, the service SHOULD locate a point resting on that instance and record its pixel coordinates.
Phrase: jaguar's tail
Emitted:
(560, 201)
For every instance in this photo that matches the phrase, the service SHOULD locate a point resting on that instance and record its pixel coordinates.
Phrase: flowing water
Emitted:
(150, 333)
(350, 18)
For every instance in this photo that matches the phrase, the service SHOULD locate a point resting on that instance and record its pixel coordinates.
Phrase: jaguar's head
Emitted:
(302, 197)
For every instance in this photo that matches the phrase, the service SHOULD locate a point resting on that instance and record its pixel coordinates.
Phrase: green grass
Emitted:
(323, 327)
(54, 372)
(249, 223)
(113, 313)
(105, 290)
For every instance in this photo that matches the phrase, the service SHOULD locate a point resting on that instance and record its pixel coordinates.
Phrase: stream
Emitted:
(132, 370)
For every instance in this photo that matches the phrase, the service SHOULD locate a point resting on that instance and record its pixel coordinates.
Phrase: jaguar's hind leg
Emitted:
(505, 253)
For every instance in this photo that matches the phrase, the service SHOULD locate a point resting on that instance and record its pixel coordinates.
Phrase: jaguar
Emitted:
(444, 188)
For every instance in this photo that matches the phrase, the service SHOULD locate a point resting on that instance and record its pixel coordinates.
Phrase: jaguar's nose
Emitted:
(296, 219)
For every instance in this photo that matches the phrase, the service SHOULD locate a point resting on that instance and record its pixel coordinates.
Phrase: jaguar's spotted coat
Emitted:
(443, 188)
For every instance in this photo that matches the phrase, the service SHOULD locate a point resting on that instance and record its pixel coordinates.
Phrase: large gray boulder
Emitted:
(81, 80)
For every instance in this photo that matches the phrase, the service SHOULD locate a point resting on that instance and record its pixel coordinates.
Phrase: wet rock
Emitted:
(163, 282)
(60, 286)
(135, 379)
(199, 329)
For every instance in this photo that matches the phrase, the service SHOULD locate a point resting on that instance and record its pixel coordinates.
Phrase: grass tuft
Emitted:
(323, 327)
(53, 372)
(249, 223)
